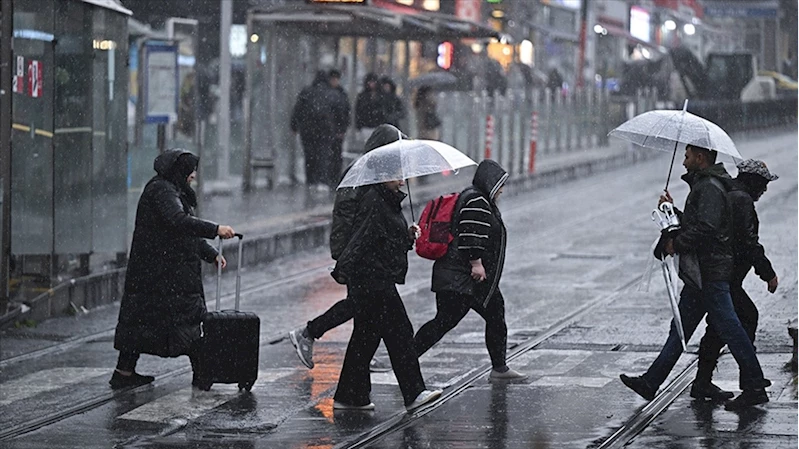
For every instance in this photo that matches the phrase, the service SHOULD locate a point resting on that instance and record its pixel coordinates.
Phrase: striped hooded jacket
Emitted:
(479, 234)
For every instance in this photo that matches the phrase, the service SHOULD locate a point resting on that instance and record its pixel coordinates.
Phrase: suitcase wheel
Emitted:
(246, 386)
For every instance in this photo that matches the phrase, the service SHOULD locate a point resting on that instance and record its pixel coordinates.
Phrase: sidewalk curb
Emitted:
(107, 287)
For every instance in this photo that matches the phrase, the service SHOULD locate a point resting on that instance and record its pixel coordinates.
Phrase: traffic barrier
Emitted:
(533, 142)
(489, 135)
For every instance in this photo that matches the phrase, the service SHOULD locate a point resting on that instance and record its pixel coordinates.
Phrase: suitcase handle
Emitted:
(238, 274)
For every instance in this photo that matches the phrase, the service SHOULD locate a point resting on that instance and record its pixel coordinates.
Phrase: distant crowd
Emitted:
(322, 115)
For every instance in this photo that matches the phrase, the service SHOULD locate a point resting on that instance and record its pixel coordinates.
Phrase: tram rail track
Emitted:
(400, 420)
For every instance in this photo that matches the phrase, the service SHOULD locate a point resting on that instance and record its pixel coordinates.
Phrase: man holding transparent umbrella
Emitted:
(706, 264)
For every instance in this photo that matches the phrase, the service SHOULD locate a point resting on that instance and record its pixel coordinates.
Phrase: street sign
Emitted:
(160, 82)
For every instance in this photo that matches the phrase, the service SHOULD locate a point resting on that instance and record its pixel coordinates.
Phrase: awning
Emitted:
(555, 33)
(370, 21)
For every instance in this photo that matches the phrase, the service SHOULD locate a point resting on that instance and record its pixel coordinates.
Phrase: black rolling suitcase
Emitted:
(228, 349)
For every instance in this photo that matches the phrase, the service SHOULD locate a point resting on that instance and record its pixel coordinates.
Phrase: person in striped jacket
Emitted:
(467, 277)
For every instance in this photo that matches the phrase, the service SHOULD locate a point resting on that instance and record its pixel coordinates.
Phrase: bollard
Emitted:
(533, 142)
(489, 135)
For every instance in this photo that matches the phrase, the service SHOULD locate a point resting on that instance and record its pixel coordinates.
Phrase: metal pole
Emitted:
(6, 58)
(251, 49)
(223, 130)
(581, 58)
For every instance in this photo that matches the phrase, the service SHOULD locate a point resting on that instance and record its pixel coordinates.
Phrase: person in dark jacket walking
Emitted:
(394, 110)
(313, 118)
(163, 300)
(374, 261)
(345, 208)
(369, 111)
(341, 121)
(468, 275)
(706, 265)
(751, 184)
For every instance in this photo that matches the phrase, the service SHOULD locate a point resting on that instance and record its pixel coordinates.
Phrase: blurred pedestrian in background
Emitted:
(369, 110)
(163, 301)
(394, 110)
(427, 119)
(313, 119)
(341, 121)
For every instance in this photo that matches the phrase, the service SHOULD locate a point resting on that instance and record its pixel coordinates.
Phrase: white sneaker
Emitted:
(510, 374)
(342, 406)
(303, 345)
(425, 397)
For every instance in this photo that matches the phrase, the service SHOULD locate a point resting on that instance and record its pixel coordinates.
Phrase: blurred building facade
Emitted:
(68, 144)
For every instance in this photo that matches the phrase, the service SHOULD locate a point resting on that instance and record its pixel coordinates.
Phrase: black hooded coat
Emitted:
(746, 240)
(479, 234)
(345, 205)
(163, 301)
(377, 253)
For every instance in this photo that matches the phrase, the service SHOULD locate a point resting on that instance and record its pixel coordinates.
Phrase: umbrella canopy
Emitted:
(404, 159)
(433, 79)
(663, 129)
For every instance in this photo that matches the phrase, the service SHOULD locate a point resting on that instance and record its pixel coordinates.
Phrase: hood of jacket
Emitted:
(714, 171)
(383, 135)
(164, 162)
(489, 177)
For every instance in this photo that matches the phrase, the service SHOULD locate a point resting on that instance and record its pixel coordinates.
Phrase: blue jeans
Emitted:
(714, 299)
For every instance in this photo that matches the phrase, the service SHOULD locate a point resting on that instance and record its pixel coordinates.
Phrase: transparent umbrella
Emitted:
(404, 159)
(665, 129)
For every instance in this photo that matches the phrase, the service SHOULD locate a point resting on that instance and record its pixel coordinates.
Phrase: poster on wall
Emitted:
(18, 81)
(161, 83)
(35, 79)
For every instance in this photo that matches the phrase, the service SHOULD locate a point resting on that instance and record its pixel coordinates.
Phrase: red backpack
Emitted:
(436, 226)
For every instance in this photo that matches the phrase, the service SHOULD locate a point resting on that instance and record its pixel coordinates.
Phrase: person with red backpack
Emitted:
(467, 276)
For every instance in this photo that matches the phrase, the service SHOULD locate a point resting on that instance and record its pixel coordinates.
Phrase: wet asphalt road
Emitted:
(575, 254)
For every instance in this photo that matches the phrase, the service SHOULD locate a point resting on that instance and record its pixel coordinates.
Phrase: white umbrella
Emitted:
(404, 159)
(665, 129)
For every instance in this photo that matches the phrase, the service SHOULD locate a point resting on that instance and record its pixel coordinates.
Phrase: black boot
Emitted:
(707, 390)
(639, 385)
(747, 398)
(119, 381)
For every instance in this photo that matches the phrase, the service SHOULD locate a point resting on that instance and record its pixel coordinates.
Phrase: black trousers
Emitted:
(379, 315)
(451, 307)
(338, 314)
(316, 149)
(335, 163)
(710, 346)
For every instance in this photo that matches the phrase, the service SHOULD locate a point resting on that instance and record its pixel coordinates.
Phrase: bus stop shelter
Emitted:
(287, 45)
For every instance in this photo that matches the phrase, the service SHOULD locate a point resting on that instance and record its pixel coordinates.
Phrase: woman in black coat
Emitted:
(373, 262)
(467, 277)
(163, 301)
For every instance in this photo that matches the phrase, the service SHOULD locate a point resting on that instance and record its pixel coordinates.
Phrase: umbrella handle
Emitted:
(410, 199)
